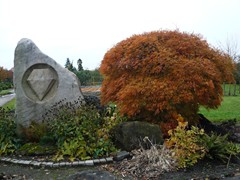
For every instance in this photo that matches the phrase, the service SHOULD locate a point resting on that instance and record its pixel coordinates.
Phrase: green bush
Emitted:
(84, 77)
(33, 149)
(9, 141)
(186, 144)
(89, 77)
(81, 133)
(5, 85)
(34, 132)
(193, 144)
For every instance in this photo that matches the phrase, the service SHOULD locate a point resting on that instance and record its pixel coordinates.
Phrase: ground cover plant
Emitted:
(156, 76)
(82, 133)
(5, 92)
(9, 141)
(78, 133)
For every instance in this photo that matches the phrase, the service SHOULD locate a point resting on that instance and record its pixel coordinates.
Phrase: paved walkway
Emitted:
(85, 89)
(6, 98)
(91, 88)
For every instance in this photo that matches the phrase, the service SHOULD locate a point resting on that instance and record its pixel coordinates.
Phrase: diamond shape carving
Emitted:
(41, 81)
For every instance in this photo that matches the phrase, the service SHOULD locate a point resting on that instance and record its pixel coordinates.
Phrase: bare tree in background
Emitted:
(231, 47)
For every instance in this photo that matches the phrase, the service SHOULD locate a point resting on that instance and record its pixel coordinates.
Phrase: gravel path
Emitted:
(13, 171)
(202, 171)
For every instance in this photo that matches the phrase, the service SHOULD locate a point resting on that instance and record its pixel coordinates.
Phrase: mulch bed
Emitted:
(204, 170)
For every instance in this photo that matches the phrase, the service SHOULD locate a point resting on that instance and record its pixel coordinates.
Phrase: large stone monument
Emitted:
(40, 82)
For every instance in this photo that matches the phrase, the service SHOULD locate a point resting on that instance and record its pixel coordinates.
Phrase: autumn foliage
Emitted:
(5, 74)
(163, 74)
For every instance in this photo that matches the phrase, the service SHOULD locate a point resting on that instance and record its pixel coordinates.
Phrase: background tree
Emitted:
(96, 76)
(68, 63)
(231, 47)
(90, 77)
(162, 75)
(84, 77)
(6, 79)
(237, 73)
(9, 77)
(79, 63)
(69, 66)
(3, 74)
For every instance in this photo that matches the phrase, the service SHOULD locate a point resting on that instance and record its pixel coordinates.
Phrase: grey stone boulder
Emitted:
(121, 155)
(92, 175)
(40, 82)
(130, 135)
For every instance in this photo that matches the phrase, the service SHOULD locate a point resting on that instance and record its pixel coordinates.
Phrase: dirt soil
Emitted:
(201, 171)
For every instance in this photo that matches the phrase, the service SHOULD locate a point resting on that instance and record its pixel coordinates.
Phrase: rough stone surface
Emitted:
(130, 135)
(92, 175)
(40, 82)
(89, 163)
(121, 155)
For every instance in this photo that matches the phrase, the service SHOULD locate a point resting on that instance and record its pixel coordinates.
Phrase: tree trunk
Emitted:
(224, 89)
(234, 90)
(229, 89)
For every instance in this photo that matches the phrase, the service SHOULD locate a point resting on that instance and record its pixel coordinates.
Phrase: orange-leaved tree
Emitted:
(162, 75)
(4, 74)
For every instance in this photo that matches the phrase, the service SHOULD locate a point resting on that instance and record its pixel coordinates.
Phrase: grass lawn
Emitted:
(229, 89)
(10, 104)
(230, 109)
(5, 92)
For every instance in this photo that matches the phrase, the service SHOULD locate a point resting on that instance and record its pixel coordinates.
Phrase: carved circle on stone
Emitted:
(40, 83)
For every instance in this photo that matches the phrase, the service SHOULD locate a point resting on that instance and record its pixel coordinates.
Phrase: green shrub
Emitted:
(81, 133)
(186, 144)
(5, 85)
(34, 132)
(5, 92)
(89, 77)
(193, 144)
(9, 141)
(33, 149)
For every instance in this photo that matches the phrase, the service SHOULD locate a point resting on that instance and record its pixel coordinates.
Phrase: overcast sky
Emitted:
(86, 29)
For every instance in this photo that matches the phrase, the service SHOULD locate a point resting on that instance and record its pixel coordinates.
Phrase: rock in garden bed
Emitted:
(130, 135)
